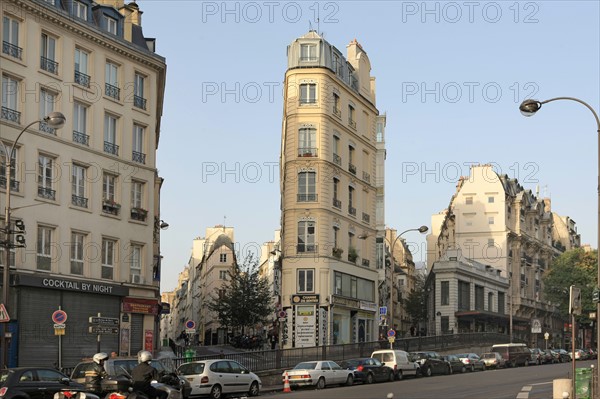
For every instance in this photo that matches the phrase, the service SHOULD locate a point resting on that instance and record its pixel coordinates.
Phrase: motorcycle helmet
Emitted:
(144, 357)
(99, 357)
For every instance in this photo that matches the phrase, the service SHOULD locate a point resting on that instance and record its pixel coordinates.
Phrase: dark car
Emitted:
(38, 383)
(472, 361)
(456, 365)
(368, 370)
(431, 363)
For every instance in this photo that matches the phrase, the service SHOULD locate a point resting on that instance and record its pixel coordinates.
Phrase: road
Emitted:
(533, 382)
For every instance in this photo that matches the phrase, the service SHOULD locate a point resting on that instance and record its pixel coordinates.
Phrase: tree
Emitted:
(416, 303)
(575, 267)
(246, 299)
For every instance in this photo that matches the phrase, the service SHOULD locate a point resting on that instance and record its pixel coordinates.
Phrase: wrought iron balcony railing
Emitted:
(307, 197)
(307, 152)
(11, 115)
(306, 248)
(352, 210)
(49, 65)
(79, 201)
(82, 79)
(337, 203)
(139, 102)
(14, 184)
(112, 91)
(47, 193)
(352, 123)
(81, 138)
(352, 168)
(138, 157)
(366, 262)
(366, 177)
(44, 127)
(337, 159)
(12, 50)
(111, 148)
(366, 217)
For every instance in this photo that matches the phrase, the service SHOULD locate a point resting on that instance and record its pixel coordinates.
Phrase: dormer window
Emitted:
(111, 24)
(308, 52)
(80, 10)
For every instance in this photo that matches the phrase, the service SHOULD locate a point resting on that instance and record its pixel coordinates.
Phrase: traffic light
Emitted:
(19, 234)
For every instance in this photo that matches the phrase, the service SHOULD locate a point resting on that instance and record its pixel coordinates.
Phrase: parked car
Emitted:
(560, 357)
(548, 357)
(537, 356)
(592, 353)
(218, 377)
(319, 374)
(472, 361)
(564, 355)
(177, 387)
(493, 360)
(369, 370)
(431, 363)
(514, 354)
(38, 383)
(456, 365)
(400, 361)
(579, 354)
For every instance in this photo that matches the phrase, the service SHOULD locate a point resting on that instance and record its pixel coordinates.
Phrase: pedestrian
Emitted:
(113, 354)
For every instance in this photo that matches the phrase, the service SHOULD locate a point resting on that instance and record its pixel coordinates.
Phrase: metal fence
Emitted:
(288, 358)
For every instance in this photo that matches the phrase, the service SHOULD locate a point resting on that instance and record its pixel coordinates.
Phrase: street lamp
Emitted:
(422, 230)
(55, 120)
(530, 107)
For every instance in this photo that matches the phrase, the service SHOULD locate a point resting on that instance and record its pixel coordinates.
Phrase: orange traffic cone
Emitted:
(286, 383)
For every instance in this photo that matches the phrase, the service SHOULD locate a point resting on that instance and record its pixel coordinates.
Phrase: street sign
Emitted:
(60, 326)
(103, 330)
(391, 333)
(104, 321)
(190, 324)
(391, 339)
(59, 317)
(4, 317)
(546, 336)
(282, 314)
(383, 310)
(536, 326)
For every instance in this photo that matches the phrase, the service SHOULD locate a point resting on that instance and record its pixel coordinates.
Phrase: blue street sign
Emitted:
(383, 310)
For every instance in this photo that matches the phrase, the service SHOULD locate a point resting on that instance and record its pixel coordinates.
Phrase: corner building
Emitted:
(328, 195)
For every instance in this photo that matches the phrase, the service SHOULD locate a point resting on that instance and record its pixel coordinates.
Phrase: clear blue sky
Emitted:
(450, 76)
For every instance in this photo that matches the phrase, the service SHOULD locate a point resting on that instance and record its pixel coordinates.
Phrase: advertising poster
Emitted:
(124, 346)
(305, 326)
(148, 340)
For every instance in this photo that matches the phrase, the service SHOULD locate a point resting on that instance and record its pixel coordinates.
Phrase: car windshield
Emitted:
(352, 363)
(306, 366)
(191, 368)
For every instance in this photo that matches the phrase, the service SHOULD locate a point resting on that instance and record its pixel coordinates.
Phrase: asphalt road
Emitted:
(532, 382)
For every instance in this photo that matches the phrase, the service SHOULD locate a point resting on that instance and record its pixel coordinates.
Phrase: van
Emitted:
(399, 360)
(514, 354)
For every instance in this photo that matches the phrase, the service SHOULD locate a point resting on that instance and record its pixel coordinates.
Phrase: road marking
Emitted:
(543, 383)
(526, 388)
(523, 395)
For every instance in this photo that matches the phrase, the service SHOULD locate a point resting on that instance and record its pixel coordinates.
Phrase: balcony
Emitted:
(366, 262)
(337, 203)
(352, 168)
(82, 79)
(111, 148)
(112, 91)
(139, 214)
(352, 210)
(11, 115)
(81, 202)
(47, 129)
(139, 102)
(14, 184)
(352, 123)
(366, 218)
(366, 177)
(138, 157)
(12, 50)
(49, 65)
(337, 160)
(81, 138)
(306, 248)
(46, 193)
(337, 112)
(307, 197)
(111, 207)
(307, 152)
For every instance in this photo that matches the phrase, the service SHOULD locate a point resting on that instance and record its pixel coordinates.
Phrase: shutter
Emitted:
(137, 333)
(38, 346)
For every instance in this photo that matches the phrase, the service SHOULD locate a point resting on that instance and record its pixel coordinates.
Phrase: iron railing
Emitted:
(82, 79)
(81, 138)
(49, 65)
(11, 115)
(12, 50)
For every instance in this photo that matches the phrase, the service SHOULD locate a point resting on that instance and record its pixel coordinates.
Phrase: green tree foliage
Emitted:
(246, 300)
(575, 267)
(416, 303)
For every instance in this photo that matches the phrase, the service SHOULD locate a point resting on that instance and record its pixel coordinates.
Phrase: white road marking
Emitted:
(523, 395)
(526, 388)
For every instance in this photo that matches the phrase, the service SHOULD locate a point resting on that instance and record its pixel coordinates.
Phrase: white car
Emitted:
(319, 374)
(219, 377)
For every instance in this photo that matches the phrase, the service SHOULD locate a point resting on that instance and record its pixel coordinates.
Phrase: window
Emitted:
(336, 189)
(479, 298)
(135, 266)
(445, 287)
(379, 127)
(46, 177)
(306, 236)
(81, 68)
(44, 248)
(307, 187)
(490, 302)
(108, 258)
(354, 287)
(351, 120)
(111, 24)
(10, 37)
(77, 242)
(109, 195)
(78, 177)
(469, 200)
(13, 162)
(308, 52)
(110, 135)
(80, 124)
(138, 92)
(222, 258)
(47, 100)
(490, 200)
(10, 97)
(137, 154)
(306, 280)
(351, 208)
(445, 324)
(351, 166)
(48, 54)
(490, 220)
(111, 77)
(336, 105)
(337, 65)
(464, 296)
(223, 275)
(137, 190)
(308, 93)
(501, 302)
(80, 10)
(307, 142)
(336, 232)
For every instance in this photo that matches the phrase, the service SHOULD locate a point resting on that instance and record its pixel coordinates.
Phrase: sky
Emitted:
(450, 77)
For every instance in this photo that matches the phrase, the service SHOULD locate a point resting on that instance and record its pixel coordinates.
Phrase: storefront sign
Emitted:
(305, 326)
(148, 340)
(138, 305)
(71, 285)
(351, 303)
(372, 306)
(305, 299)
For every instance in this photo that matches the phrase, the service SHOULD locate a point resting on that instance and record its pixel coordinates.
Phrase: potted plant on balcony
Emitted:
(352, 254)
(110, 205)
(337, 252)
(138, 213)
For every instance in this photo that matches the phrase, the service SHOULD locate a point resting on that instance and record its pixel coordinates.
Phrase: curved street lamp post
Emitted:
(529, 108)
(54, 120)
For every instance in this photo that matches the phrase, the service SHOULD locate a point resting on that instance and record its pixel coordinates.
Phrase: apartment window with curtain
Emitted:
(46, 177)
(47, 100)
(351, 208)
(80, 10)
(81, 68)
(337, 159)
(10, 99)
(138, 212)
(111, 24)
(307, 142)
(48, 54)
(110, 135)
(80, 135)
(44, 248)
(336, 190)
(109, 194)
(138, 154)
(135, 265)
(10, 37)
(336, 105)
(306, 280)
(78, 178)
(139, 101)
(306, 237)
(351, 117)
(111, 84)
(108, 258)
(308, 93)
(307, 187)
(351, 166)
(308, 52)
(77, 245)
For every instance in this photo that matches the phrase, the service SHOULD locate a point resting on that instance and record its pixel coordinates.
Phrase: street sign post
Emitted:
(4, 317)
(104, 321)
(103, 330)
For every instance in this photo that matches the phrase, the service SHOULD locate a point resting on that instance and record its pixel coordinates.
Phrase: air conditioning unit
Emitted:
(137, 279)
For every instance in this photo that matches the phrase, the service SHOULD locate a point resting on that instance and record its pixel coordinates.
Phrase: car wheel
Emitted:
(463, 369)
(391, 376)
(350, 380)
(321, 383)
(428, 371)
(370, 378)
(254, 389)
(216, 392)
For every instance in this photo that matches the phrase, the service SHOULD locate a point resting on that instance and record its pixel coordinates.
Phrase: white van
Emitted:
(399, 360)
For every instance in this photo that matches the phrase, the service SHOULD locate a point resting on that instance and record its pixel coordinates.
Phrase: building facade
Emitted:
(88, 194)
(328, 195)
(497, 222)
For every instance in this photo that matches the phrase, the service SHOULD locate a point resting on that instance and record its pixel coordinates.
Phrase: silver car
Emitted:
(319, 374)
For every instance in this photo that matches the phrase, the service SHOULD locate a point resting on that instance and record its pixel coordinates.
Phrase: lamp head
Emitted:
(530, 107)
(164, 225)
(423, 229)
(55, 120)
